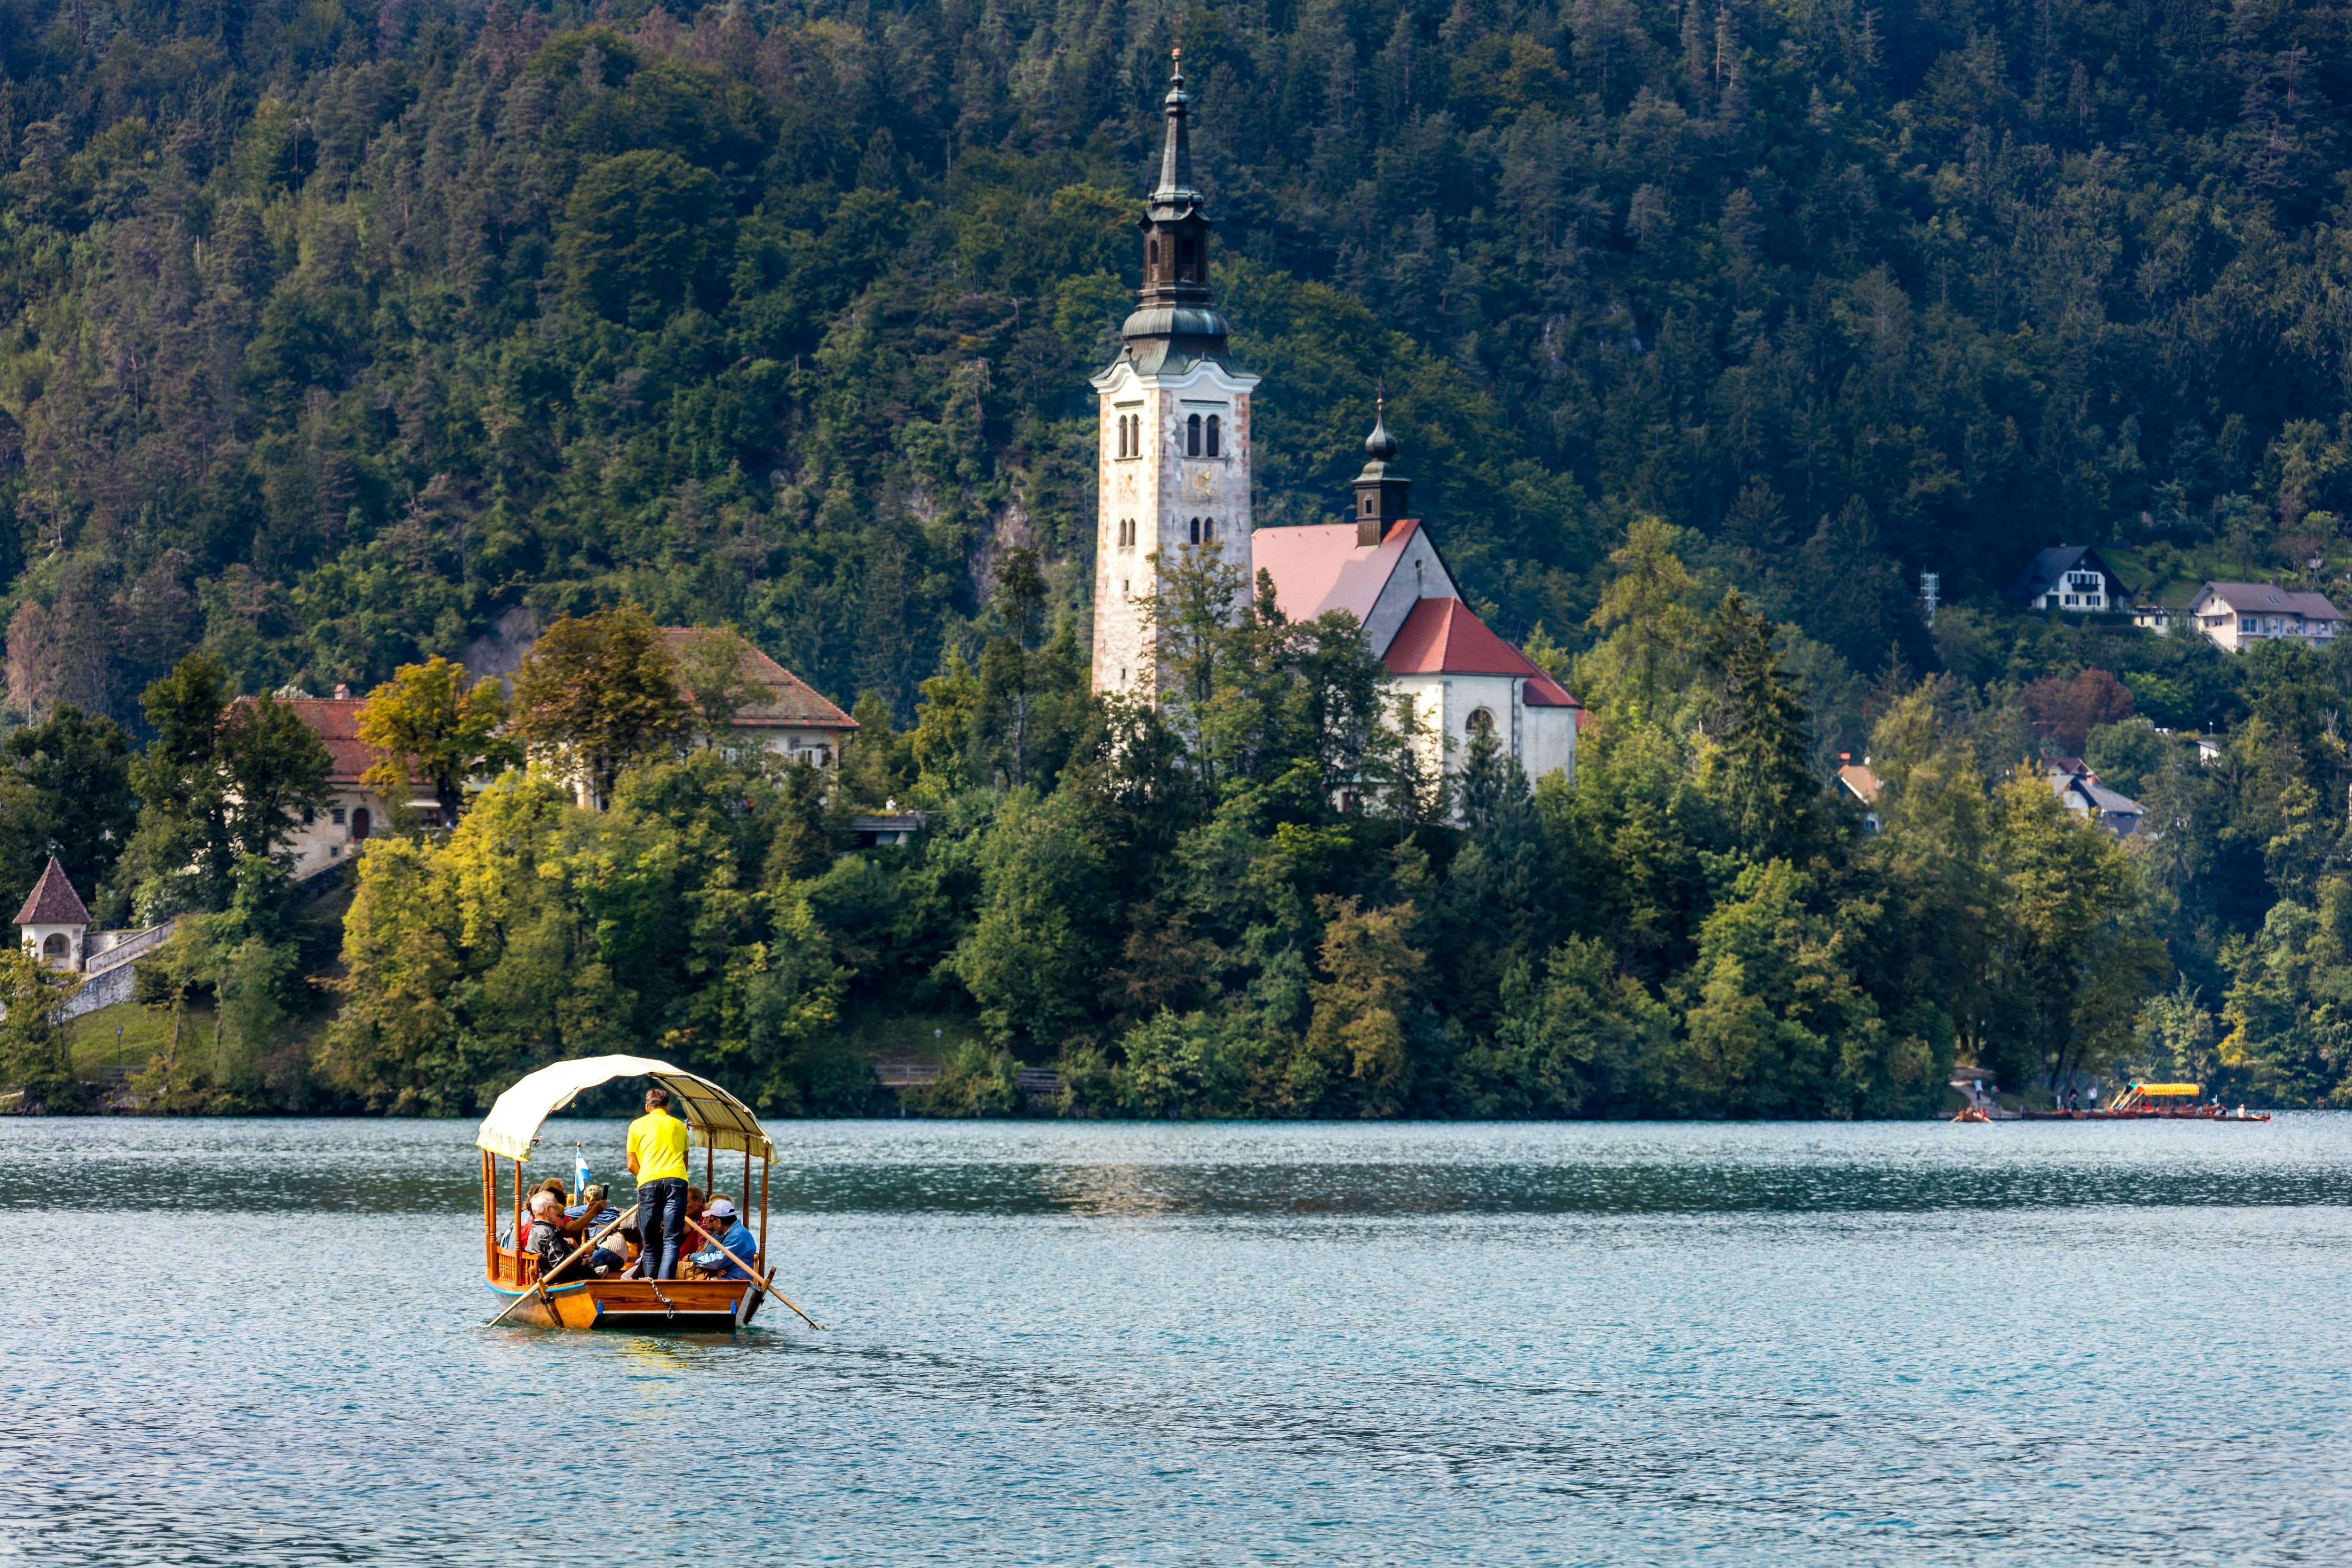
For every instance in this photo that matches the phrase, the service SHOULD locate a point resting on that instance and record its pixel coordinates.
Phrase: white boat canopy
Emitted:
(712, 1116)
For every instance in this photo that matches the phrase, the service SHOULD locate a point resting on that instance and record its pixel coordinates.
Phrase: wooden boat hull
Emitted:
(2198, 1114)
(642, 1306)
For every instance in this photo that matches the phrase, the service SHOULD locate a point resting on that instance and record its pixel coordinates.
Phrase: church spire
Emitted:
(1176, 323)
(1381, 491)
(1175, 189)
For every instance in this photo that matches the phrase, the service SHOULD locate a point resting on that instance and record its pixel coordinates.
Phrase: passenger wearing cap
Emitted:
(720, 1219)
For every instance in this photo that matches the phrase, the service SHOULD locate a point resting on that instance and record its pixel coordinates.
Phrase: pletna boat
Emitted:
(2154, 1102)
(715, 1119)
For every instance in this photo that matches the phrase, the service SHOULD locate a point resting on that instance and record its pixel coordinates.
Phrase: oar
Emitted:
(769, 1284)
(542, 1282)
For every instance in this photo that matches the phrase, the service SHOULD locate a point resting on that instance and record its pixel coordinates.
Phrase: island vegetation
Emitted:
(333, 338)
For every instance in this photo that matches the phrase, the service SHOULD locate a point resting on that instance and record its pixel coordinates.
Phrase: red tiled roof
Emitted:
(53, 901)
(792, 701)
(1861, 780)
(336, 721)
(1321, 567)
(1543, 691)
(1441, 637)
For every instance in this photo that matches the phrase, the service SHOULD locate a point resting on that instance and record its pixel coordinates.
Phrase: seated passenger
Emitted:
(545, 1239)
(592, 1220)
(611, 1260)
(589, 1215)
(733, 1235)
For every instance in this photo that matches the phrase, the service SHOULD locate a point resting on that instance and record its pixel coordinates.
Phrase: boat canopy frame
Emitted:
(714, 1118)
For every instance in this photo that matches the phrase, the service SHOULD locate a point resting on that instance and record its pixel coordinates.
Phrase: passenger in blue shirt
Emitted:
(719, 1220)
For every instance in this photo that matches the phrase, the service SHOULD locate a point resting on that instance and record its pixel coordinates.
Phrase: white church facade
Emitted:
(1174, 475)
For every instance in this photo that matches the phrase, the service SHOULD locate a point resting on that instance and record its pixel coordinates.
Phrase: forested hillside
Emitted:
(332, 331)
(336, 336)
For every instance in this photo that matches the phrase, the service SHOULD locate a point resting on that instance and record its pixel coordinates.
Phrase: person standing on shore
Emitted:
(657, 1160)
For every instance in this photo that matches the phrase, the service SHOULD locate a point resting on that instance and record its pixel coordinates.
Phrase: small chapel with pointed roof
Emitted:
(1174, 476)
(54, 920)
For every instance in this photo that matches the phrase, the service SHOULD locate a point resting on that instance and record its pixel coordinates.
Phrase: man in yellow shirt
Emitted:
(657, 1160)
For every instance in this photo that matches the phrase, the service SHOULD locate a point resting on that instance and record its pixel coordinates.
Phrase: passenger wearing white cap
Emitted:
(720, 1219)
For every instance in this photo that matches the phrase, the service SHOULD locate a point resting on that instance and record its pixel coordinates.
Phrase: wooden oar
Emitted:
(769, 1284)
(540, 1283)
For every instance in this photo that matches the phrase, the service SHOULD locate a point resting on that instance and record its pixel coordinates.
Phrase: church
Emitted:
(1174, 475)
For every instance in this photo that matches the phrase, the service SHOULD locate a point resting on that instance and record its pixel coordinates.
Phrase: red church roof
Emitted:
(1441, 637)
(1321, 567)
(53, 901)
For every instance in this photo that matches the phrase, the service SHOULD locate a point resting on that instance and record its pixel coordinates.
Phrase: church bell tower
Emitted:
(1172, 471)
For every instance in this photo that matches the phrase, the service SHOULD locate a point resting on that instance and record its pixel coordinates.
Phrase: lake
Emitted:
(262, 1343)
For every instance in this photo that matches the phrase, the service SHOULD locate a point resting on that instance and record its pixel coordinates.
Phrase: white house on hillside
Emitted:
(2071, 578)
(2237, 615)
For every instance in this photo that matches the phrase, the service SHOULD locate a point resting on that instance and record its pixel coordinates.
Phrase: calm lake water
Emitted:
(262, 1343)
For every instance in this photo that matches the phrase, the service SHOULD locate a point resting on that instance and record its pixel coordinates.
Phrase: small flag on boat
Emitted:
(579, 1170)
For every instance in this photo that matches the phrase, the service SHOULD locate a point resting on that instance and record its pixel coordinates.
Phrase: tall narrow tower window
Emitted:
(1195, 524)
(1184, 262)
(1151, 256)
(1192, 436)
(1213, 435)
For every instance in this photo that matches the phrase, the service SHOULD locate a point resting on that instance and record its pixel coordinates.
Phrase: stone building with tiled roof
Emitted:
(356, 808)
(790, 719)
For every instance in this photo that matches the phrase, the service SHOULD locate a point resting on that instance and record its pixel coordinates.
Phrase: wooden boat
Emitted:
(715, 1119)
(2153, 1102)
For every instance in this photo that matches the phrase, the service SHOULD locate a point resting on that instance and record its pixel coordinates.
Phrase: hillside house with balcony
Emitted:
(2236, 615)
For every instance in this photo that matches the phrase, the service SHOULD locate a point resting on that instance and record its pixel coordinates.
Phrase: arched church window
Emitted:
(1192, 436)
(1208, 530)
(1213, 435)
(54, 949)
(1480, 722)
(1195, 525)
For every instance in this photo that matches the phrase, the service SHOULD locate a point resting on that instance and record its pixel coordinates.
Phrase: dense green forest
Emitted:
(336, 338)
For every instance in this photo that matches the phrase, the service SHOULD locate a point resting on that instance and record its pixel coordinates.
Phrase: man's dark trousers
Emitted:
(661, 1220)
